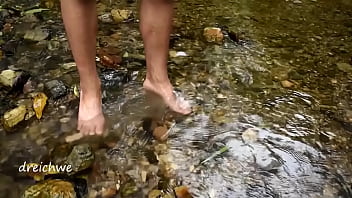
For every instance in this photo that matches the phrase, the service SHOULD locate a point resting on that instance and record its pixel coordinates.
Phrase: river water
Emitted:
(282, 142)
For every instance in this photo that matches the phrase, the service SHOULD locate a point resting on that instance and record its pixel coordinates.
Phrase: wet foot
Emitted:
(166, 92)
(91, 120)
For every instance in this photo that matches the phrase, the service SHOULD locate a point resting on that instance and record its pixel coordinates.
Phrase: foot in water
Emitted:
(91, 119)
(166, 92)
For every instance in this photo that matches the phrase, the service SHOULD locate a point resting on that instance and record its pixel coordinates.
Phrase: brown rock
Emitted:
(116, 36)
(212, 34)
(121, 15)
(14, 116)
(7, 28)
(109, 60)
(109, 192)
(287, 84)
(182, 192)
(160, 133)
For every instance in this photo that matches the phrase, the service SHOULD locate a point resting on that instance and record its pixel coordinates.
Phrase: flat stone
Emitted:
(345, 67)
(36, 34)
(121, 15)
(213, 34)
(7, 77)
(56, 89)
(287, 84)
(14, 116)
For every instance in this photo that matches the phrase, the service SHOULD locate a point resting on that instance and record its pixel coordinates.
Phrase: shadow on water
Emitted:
(284, 140)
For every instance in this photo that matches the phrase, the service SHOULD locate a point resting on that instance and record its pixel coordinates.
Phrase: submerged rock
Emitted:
(113, 78)
(129, 188)
(155, 194)
(36, 34)
(14, 116)
(345, 67)
(51, 188)
(14, 79)
(160, 133)
(213, 34)
(106, 18)
(250, 135)
(56, 89)
(121, 15)
(7, 77)
(80, 158)
(287, 84)
(182, 192)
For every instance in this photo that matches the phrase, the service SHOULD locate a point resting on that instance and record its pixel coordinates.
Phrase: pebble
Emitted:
(69, 65)
(160, 133)
(56, 89)
(287, 84)
(65, 120)
(172, 53)
(121, 15)
(182, 192)
(36, 34)
(106, 18)
(154, 194)
(213, 34)
(74, 137)
(250, 135)
(7, 77)
(14, 116)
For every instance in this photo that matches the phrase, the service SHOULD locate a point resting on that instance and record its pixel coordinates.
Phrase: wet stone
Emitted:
(56, 89)
(250, 135)
(14, 116)
(213, 34)
(182, 192)
(287, 84)
(14, 79)
(113, 78)
(121, 15)
(7, 77)
(36, 34)
(129, 188)
(51, 188)
(155, 194)
(106, 18)
(345, 67)
(80, 158)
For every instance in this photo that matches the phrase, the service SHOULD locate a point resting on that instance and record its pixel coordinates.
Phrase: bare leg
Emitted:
(81, 26)
(156, 24)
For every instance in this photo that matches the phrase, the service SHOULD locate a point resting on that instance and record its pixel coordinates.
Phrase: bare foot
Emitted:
(91, 120)
(166, 92)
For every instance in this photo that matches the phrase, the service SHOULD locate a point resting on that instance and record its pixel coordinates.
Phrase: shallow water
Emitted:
(302, 147)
